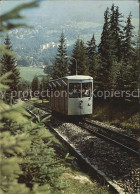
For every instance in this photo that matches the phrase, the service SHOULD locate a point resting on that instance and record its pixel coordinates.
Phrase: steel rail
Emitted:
(124, 139)
(128, 149)
(85, 164)
(42, 107)
(109, 130)
(106, 138)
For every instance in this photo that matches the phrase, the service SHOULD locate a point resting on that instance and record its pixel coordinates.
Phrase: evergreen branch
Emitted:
(4, 51)
(11, 26)
(14, 14)
(4, 77)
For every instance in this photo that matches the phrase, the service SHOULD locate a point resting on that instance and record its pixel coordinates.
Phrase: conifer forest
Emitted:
(32, 159)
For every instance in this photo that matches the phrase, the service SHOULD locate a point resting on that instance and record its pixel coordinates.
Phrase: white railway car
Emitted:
(71, 95)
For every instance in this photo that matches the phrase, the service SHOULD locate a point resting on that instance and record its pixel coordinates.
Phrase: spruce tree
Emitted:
(91, 48)
(96, 72)
(115, 33)
(91, 52)
(43, 87)
(127, 77)
(60, 67)
(104, 44)
(118, 34)
(9, 65)
(35, 84)
(136, 60)
(112, 34)
(129, 67)
(128, 43)
(79, 55)
(106, 59)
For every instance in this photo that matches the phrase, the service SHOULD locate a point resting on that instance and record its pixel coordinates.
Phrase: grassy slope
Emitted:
(28, 72)
(125, 116)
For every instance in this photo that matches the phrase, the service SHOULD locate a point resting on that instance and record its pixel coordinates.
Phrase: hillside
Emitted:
(38, 45)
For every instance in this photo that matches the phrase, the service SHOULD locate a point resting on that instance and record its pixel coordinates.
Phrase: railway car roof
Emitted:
(78, 77)
(71, 77)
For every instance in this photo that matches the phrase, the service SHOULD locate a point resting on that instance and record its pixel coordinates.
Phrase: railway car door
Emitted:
(74, 97)
(86, 98)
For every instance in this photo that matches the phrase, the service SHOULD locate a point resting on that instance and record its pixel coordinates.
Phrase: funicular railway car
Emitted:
(71, 95)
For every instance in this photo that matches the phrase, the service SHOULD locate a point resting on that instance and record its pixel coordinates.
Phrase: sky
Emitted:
(76, 7)
(80, 8)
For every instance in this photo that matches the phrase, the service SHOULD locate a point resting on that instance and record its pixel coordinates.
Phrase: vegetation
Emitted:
(31, 160)
(8, 64)
(117, 69)
(114, 65)
(120, 115)
(92, 54)
(35, 84)
(79, 56)
(60, 67)
(79, 183)
(28, 162)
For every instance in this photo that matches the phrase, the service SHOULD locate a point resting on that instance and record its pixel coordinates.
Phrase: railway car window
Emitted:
(86, 89)
(74, 90)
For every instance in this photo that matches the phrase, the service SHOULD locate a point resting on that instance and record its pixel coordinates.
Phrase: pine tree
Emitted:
(28, 162)
(91, 48)
(96, 72)
(9, 65)
(43, 87)
(106, 58)
(79, 56)
(43, 84)
(35, 84)
(119, 34)
(136, 60)
(104, 44)
(60, 67)
(24, 85)
(128, 43)
(91, 53)
(129, 68)
(115, 33)
(120, 77)
(22, 143)
(112, 34)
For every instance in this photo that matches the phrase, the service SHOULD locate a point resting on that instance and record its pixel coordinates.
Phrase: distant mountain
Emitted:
(40, 43)
(75, 18)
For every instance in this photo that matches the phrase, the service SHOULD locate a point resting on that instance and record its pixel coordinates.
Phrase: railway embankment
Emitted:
(124, 116)
(120, 168)
(116, 164)
(76, 180)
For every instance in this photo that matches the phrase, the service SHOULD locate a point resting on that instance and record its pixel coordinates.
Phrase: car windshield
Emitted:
(74, 90)
(86, 89)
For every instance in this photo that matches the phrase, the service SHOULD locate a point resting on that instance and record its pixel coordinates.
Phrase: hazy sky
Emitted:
(77, 7)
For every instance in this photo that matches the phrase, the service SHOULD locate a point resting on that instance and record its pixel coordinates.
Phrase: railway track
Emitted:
(99, 161)
(47, 109)
(83, 162)
(127, 143)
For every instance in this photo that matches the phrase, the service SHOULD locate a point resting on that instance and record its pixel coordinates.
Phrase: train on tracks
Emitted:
(71, 95)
